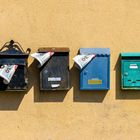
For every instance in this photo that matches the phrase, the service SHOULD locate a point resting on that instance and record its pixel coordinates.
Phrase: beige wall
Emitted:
(74, 115)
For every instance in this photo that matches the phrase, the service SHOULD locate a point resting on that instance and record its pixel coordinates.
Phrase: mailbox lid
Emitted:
(13, 53)
(130, 55)
(96, 75)
(13, 61)
(97, 51)
(56, 71)
(53, 49)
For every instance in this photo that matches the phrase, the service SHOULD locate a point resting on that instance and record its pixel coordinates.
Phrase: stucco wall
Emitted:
(72, 115)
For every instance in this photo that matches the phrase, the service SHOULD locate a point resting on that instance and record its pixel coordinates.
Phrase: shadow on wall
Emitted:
(44, 96)
(84, 96)
(59, 96)
(11, 100)
(123, 94)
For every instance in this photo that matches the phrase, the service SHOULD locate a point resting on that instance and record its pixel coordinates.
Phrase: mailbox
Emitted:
(96, 74)
(130, 71)
(54, 74)
(13, 54)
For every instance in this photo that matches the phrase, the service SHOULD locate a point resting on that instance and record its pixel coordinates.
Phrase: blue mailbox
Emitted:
(96, 74)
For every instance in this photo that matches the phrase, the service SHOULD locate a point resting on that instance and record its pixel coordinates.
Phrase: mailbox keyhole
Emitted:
(125, 74)
(85, 72)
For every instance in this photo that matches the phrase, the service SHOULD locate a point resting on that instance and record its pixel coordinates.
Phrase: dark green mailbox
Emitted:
(130, 71)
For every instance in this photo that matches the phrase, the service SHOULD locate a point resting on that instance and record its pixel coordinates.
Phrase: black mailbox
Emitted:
(13, 54)
(54, 74)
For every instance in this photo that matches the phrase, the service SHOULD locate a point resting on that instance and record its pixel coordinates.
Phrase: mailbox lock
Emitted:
(126, 73)
(85, 72)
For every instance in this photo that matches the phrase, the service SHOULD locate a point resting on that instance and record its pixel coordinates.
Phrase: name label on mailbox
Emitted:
(94, 81)
(54, 78)
(133, 66)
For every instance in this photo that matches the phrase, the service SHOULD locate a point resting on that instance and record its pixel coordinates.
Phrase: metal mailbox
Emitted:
(130, 71)
(96, 74)
(54, 75)
(13, 54)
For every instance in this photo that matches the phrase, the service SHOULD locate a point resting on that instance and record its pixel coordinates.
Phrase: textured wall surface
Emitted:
(72, 115)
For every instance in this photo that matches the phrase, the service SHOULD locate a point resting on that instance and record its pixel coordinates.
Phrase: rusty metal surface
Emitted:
(53, 49)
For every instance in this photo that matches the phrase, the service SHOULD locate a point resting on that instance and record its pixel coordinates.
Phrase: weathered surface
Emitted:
(76, 115)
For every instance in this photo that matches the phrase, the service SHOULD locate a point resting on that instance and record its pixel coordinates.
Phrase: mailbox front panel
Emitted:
(130, 74)
(55, 74)
(96, 74)
(18, 82)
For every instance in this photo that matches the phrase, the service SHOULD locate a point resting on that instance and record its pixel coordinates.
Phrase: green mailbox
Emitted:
(130, 71)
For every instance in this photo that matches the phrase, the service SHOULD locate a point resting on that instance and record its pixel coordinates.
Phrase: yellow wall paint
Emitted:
(74, 115)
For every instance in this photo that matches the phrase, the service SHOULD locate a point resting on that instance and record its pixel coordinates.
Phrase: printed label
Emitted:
(133, 66)
(94, 82)
(54, 78)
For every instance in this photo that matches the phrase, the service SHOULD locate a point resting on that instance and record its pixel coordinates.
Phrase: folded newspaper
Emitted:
(7, 72)
(82, 60)
(42, 57)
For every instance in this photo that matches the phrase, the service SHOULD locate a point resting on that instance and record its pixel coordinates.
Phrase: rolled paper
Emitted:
(82, 60)
(7, 72)
(42, 57)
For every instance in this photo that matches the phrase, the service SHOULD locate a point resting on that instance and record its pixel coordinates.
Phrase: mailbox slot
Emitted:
(54, 75)
(96, 74)
(13, 55)
(130, 71)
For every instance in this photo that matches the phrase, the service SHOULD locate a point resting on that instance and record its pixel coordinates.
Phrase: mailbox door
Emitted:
(95, 76)
(131, 74)
(19, 80)
(55, 74)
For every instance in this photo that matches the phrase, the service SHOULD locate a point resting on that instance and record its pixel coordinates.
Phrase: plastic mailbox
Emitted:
(130, 71)
(96, 74)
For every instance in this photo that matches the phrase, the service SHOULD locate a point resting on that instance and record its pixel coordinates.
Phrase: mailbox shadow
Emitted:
(44, 96)
(10, 100)
(50, 96)
(123, 94)
(87, 95)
